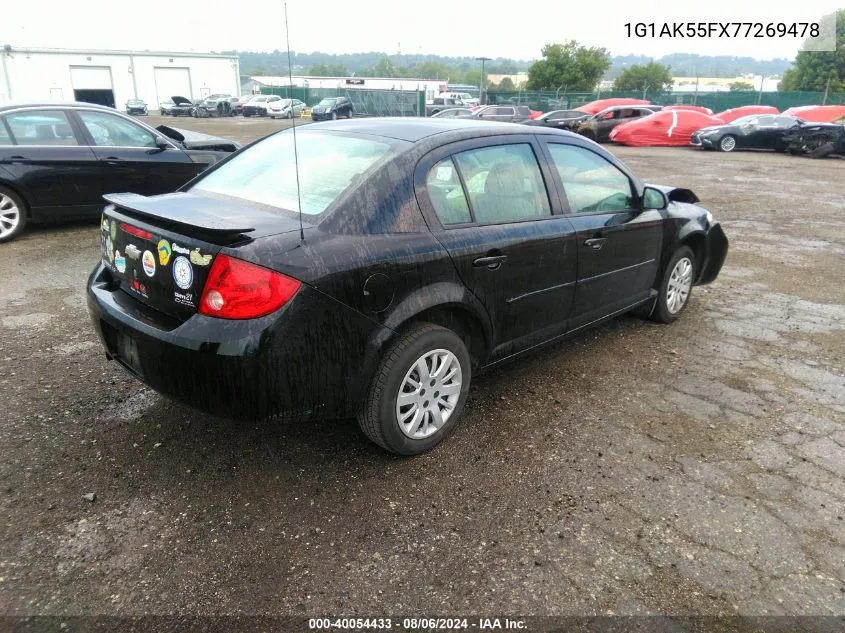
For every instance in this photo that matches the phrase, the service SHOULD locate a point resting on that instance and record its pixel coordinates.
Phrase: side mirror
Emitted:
(654, 199)
(162, 143)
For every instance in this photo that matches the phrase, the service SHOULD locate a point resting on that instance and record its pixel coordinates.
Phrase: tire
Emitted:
(334, 116)
(727, 143)
(676, 277)
(349, 114)
(13, 212)
(399, 370)
(822, 151)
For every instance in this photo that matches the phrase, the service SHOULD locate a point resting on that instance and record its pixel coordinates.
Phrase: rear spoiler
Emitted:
(181, 215)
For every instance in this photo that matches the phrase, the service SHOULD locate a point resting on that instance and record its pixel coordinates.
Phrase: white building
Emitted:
(113, 77)
(432, 87)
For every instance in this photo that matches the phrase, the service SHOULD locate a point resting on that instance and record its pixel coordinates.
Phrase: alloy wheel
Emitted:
(429, 394)
(10, 215)
(727, 144)
(680, 283)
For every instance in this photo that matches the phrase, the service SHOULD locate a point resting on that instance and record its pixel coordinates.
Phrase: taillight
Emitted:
(134, 230)
(236, 289)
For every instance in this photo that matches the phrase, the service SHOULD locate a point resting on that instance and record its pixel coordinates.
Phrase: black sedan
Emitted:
(58, 159)
(425, 250)
(561, 119)
(332, 108)
(182, 106)
(756, 131)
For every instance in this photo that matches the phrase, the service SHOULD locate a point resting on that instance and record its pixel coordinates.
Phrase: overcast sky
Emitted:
(435, 27)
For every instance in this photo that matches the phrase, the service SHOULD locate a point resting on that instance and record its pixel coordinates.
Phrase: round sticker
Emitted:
(109, 249)
(149, 263)
(183, 272)
(113, 230)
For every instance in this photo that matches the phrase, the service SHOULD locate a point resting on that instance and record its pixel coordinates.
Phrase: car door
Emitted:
(618, 245)
(131, 159)
(488, 205)
(47, 159)
(759, 134)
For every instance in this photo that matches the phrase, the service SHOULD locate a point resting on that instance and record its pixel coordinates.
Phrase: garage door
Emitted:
(90, 77)
(172, 82)
(92, 84)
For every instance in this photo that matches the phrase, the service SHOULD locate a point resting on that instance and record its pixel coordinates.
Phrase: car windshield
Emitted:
(328, 101)
(134, 102)
(328, 165)
(257, 99)
(217, 96)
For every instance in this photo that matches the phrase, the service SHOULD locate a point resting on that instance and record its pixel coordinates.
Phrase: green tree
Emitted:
(741, 86)
(577, 67)
(652, 77)
(506, 85)
(386, 68)
(813, 69)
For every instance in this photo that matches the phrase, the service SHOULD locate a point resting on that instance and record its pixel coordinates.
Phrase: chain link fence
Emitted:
(716, 101)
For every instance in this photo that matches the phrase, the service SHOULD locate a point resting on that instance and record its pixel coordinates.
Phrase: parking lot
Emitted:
(697, 468)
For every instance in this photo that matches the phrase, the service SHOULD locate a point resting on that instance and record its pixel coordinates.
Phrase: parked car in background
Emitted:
(239, 105)
(450, 113)
(464, 97)
(758, 131)
(816, 140)
(218, 105)
(442, 103)
(332, 108)
(58, 159)
(503, 113)
(663, 128)
(165, 106)
(286, 109)
(432, 249)
(257, 106)
(182, 106)
(594, 107)
(560, 119)
(137, 107)
(599, 126)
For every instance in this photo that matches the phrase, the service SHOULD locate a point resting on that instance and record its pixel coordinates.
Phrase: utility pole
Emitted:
(645, 90)
(481, 99)
(826, 88)
(760, 94)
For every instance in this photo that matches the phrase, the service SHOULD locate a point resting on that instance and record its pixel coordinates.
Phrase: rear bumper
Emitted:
(306, 360)
(716, 252)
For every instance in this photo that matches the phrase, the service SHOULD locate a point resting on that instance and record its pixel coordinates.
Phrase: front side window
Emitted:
(504, 183)
(41, 127)
(592, 184)
(109, 130)
(329, 164)
(5, 139)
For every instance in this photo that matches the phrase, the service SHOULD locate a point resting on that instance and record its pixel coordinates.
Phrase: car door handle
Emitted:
(491, 261)
(595, 243)
(114, 159)
(19, 159)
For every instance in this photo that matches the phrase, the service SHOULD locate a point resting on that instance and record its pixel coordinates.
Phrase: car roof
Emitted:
(414, 129)
(14, 105)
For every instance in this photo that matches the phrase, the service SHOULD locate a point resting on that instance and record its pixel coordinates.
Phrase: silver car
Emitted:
(285, 109)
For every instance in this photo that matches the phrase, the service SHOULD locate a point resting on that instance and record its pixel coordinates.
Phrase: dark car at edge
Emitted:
(58, 159)
(332, 108)
(426, 250)
(756, 131)
(599, 126)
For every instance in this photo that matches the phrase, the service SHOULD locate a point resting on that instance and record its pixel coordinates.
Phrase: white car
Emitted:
(285, 108)
(466, 98)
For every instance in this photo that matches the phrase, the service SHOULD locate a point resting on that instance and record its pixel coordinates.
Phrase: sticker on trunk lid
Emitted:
(149, 263)
(200, 260)
(164, 252)
(119, 262)
(183, 272)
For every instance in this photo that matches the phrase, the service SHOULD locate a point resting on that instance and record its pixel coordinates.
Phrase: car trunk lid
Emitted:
(159, 250)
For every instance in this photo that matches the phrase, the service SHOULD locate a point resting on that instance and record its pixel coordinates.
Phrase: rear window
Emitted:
(329, 164)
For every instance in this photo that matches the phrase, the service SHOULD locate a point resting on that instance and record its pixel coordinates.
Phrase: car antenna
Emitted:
(293, 127)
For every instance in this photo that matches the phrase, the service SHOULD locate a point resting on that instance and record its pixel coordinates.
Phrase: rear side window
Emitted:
(504, 183)
(592, 184)
(109, 130)
(329, 164)
(446, 193)
(46, 127)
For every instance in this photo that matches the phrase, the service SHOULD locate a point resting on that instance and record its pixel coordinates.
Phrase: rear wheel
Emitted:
(676, 286)
(728, 143)
(12, 214)
(823, 150)
(418, 392)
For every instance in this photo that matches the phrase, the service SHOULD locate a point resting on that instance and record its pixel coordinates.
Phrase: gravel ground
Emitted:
(697, 468)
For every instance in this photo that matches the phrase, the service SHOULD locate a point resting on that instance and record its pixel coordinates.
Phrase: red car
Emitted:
(594, 107)
(731, 115)
(667, 127)
(818, 114)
